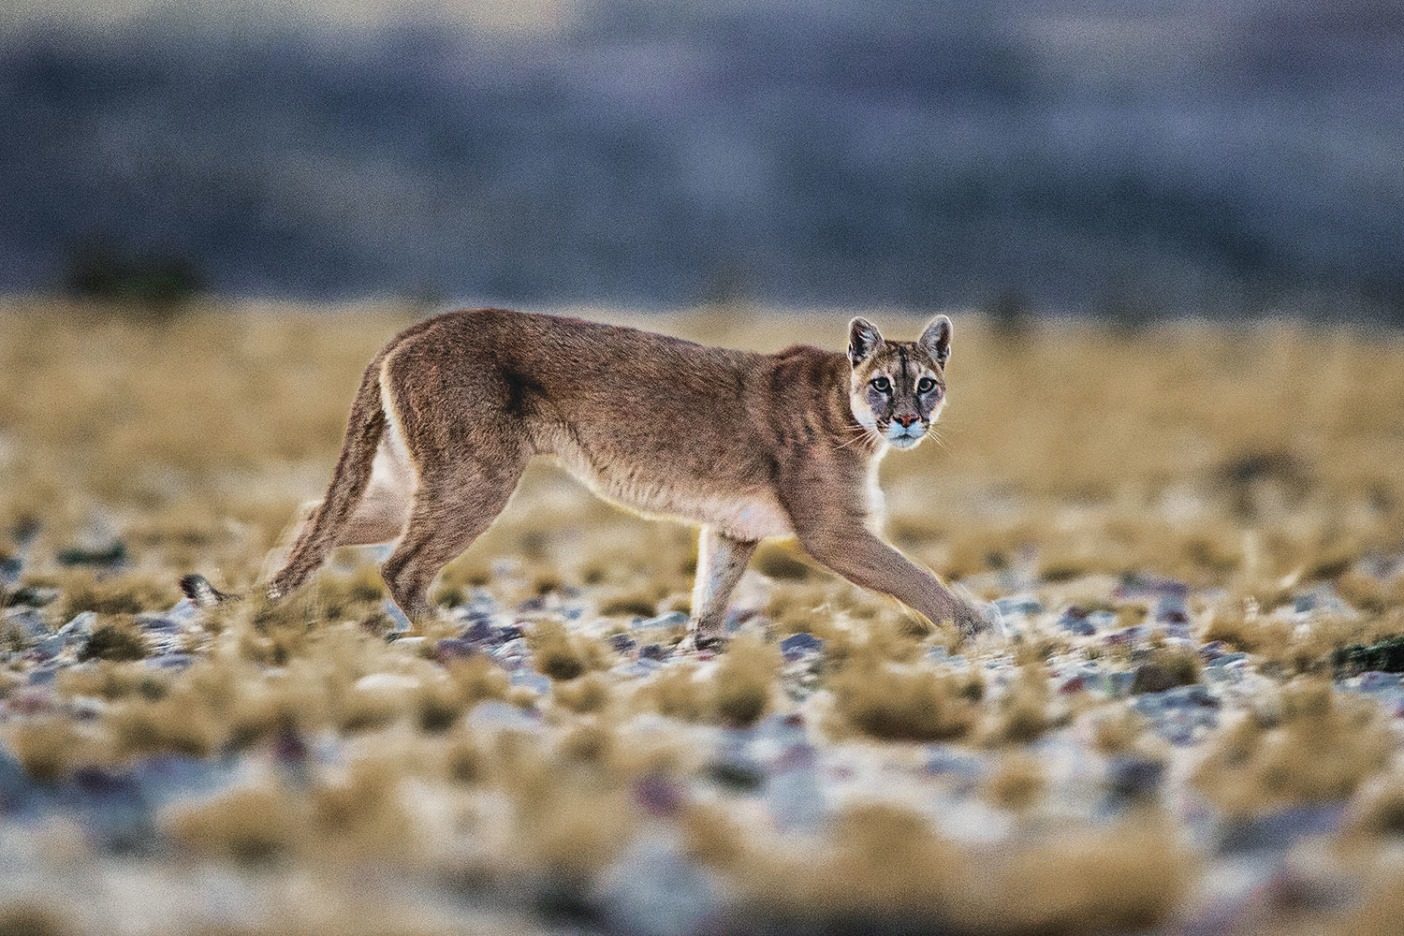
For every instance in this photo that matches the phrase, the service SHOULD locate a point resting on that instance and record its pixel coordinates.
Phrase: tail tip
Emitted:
(199, 590)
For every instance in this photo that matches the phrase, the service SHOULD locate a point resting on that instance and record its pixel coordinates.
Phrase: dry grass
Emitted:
(1248, 463)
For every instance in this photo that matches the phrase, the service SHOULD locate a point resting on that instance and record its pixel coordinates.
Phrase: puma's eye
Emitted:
(926, 385)
(882, 385)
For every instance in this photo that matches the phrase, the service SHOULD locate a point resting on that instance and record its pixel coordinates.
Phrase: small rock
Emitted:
(512, 654)
(1019, 604)
(1374, 681)
(531, 679)
(494, 713)
(794, 794)
(43, 675)
(1079, 626)
(636, 668)
(1277, 831)
(801, 644)
(157, 623)
(480, 631)
(16, 789)
(1134, 777)
(656, 888)
(105, 554)
(10, 569)
(652, 651)
(1152, 677)
(735, 770)
(945, 762)
(623, 643)
(453, 648)
(658, 795)
(672, 620)
(1120, 682)
(46, 648)
(80, 627)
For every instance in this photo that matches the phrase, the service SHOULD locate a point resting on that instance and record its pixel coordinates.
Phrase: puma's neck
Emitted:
(814, 385)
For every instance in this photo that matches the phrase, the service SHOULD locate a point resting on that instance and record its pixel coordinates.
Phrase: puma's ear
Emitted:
(863, 340)
(936, 339)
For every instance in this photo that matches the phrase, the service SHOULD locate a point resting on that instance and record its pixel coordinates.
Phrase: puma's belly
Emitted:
(746, 515)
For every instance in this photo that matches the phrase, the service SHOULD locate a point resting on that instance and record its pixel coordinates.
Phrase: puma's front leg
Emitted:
(720, 561)
(859, 556)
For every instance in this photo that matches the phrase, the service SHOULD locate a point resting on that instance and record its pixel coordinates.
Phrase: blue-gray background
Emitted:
(1133, 158)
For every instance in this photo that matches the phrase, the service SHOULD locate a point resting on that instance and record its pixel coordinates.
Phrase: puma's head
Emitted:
(897, 388)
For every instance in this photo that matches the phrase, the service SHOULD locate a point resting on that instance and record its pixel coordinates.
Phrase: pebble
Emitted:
(1375, 681)
(1134, 777)
(494, 713)
(734, 769)
(113, 553)
(1077, 624)
(946, 762)
(1277, 831)
(656, 888)
(799, 645)
(658, 795)
(1151, 677)
(622, 643)
(794, 794)
(10, 569)
(512, 654)
(46, 648)
(636, 668)
(480, 631)
(158, 623)
(652, 651)
(15, 788)
(453, 648)
(79, 628)
(531, 679)
(1019, 604)
(672, 620)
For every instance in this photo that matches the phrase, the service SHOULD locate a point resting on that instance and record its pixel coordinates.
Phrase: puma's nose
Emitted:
(906, 420)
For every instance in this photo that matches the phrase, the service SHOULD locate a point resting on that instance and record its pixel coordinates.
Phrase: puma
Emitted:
(745, 445)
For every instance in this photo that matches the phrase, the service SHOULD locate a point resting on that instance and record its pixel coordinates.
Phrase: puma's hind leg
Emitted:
(451, 509)
(380, 517)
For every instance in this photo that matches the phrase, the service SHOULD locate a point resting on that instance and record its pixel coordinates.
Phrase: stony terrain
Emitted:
(1192, 535)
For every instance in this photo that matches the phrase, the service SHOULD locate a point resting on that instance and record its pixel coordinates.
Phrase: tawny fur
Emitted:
(746, 445)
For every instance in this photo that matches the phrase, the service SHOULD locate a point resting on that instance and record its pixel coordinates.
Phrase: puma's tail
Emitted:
(319, 533)
(353, 471)
(199, 590)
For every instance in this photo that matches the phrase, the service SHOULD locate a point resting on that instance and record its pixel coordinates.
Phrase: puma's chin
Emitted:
(904, 442)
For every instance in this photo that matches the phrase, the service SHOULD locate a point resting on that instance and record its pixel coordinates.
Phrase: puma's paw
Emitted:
(696, 642)
(973, 617)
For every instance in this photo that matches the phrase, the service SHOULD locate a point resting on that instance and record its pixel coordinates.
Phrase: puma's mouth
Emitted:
(905, 437)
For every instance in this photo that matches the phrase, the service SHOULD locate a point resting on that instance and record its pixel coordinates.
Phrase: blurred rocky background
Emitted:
(1130, 159)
